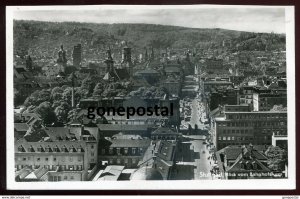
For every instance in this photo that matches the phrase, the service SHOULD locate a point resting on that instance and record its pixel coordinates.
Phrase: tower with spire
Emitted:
(152, 54)
(109, 61)
(62, 56)
(126, 59)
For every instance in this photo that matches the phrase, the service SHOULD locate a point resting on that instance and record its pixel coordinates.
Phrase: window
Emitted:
(79, 159)
(72, 177)
(125, 150)
(92, 146)
(220, 138)
(118, 161)
(232, 138)
(38, 159)
(54, 159)
(102, 151)
(118, 151)
(46, 159)
(141, 150)
(224, 138)
(111, 151)
(111, 161)
(228, 138)
(133, 150)
(65, 177)
(92, 154)
(133, 161)
(233, 131)
(24, 159)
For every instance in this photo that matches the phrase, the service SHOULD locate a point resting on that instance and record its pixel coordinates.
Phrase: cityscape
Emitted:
(219, 99)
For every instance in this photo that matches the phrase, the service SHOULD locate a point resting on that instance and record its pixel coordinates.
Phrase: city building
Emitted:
(77, 55)
(243, 162)
(244, 127)
(63, 161)
(127, 152)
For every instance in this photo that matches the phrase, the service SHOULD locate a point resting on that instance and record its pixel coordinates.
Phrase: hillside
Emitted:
(47, 36)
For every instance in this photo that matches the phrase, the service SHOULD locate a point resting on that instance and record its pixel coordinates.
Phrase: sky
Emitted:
(250, 18)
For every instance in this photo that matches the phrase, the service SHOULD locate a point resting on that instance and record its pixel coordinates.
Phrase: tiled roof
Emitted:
(166, 150)
(61, 146)
(119, 127)
(144, 143)
(111, 172)
(164, 130)
(232, 152)
(63, 133)
(21, 126)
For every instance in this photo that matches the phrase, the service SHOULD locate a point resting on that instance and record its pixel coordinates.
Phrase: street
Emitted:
(192, 163)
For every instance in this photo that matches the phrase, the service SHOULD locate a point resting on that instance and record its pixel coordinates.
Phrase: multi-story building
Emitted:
(246, 95)
(243, 162)
(266, 101)
(63, 161)
(209, 86)
(77, 55)
(127, 152)
(173, 85)
(239, 128)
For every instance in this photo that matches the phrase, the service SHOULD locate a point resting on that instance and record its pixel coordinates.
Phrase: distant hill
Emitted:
(45, 37)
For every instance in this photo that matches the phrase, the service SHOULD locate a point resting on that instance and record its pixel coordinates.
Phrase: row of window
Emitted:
(63, 159)
(237, 131)
(122, 151)
(255, 124)
(54, 167)
(48, 149)
(255, 116)
(59, 178)
(228, 138)
(124, 161)
(223, 145)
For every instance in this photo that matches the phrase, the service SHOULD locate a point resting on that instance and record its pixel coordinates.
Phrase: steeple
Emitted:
(146, 55)
(109, 61)
(152, 54)
(126, 59)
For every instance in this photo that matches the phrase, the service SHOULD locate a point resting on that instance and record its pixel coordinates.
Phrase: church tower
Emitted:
(109, 61)
(126, 59)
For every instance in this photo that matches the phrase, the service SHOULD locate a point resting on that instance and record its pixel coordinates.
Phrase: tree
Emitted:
(38, 97)
(46, 112)
(279, 108)
(98, 90)
(89, 83)
(72, 115)
(56, 94)
(277, 158)
(62, 111)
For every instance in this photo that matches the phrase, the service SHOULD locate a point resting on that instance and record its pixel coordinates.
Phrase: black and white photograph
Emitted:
(150, 97)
